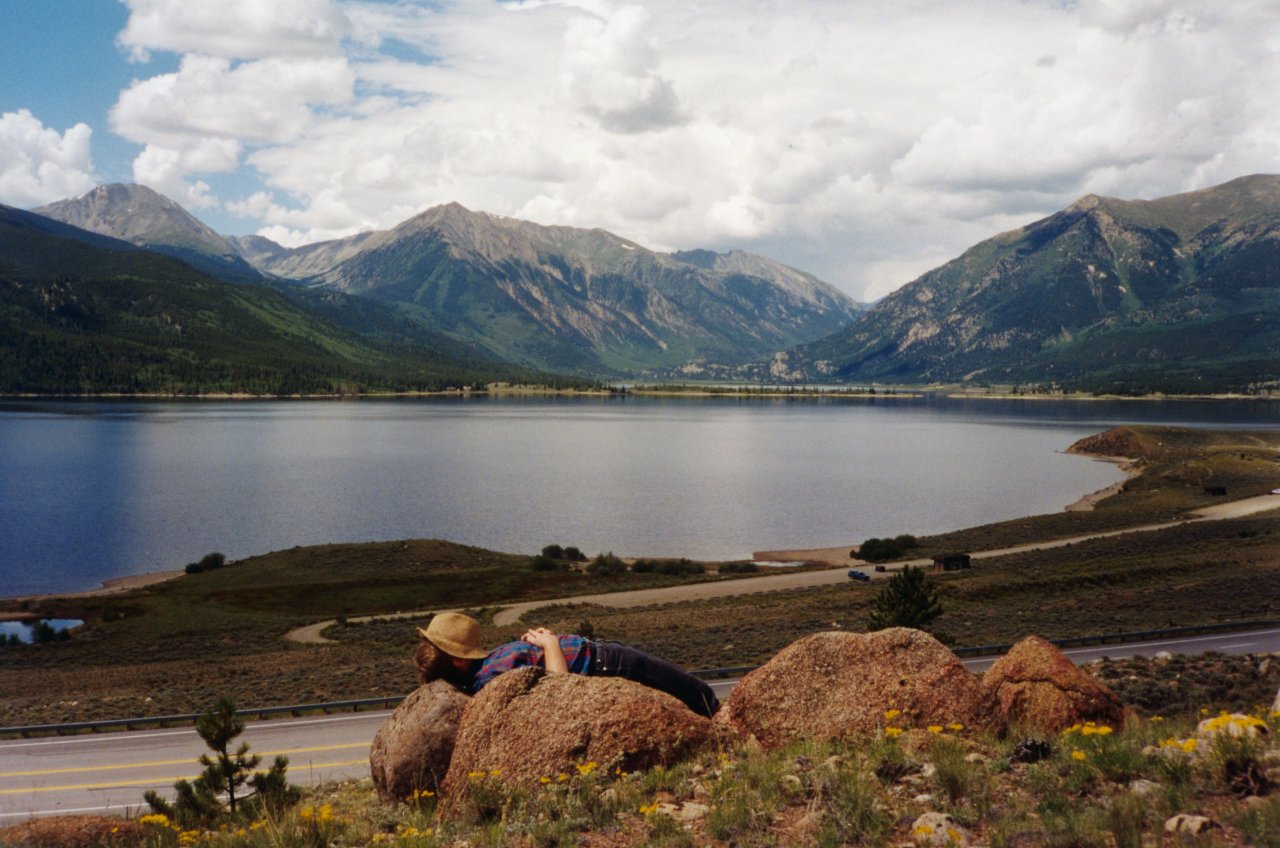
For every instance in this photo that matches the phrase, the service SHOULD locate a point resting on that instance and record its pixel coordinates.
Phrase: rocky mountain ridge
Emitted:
(562, 298)
(140, 216)
(1169, 293)
(570, 298)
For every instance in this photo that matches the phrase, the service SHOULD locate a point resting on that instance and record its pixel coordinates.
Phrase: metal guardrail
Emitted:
(1133, 636)
(190, 718)
(706, 673)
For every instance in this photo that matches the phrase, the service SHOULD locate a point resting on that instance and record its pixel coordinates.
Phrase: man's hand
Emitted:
(551, 651)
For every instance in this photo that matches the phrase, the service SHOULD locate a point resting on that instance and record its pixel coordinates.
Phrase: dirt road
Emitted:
(838, 558)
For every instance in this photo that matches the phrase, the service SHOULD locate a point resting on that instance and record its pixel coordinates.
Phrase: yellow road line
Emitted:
(154, 780)
(182, 762)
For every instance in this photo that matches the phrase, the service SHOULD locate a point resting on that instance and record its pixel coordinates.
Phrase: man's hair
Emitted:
(435, 664)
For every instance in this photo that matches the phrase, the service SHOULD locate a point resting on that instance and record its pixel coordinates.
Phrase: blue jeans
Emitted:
(614, 659)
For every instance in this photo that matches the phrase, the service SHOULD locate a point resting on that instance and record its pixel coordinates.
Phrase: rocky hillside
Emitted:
(570, 299)
(136, 214)
(1178, 293)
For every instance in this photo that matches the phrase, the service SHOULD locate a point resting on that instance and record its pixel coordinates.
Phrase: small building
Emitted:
(1216, 491)
(951, 562)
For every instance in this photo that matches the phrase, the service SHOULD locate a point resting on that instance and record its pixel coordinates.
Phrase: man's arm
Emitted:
(552, 653)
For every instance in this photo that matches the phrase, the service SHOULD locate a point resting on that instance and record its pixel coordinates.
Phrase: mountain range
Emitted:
(1181, 293)
(81, 313)
(557, 298)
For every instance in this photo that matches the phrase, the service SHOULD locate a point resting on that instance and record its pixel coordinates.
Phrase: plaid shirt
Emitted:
(513, 655)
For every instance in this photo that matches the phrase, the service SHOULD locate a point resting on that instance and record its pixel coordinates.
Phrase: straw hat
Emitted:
(456, 634)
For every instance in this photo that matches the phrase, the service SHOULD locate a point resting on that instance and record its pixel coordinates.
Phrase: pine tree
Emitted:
(907, 600)
(226, 773)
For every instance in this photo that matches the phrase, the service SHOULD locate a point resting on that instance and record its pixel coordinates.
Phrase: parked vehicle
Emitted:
(855, 574)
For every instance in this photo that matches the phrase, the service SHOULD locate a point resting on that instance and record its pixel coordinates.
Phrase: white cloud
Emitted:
(38, 164)
(235, 29)
(857, 141)
(609, 69)
(263, 101)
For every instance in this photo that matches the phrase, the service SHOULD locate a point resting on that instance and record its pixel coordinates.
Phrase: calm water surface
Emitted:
(95, 490)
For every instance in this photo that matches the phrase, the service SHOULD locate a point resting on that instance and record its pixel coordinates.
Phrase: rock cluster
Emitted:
(528, 726)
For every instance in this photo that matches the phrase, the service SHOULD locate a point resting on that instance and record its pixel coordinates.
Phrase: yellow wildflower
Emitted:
(307, 813)
(649, 809)
(155, 818)
(544, 780)
(922, 830)
(561, 777)
(477, 775)
(188, 837)
(1157, 718)
(935, 728)
(586, 768)
(890, 715)
(1189, 745)
(495, 772)
(259, 824)
(1077, 755)
(325, 813)
(893, 732)
(956, 727)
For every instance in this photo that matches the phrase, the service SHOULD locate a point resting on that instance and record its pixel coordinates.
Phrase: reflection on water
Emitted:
(95, 490)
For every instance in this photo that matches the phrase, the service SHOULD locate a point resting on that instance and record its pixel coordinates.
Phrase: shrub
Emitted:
(606, 563)
(209, 562)
(680, 566)
(745, 567)
(542, 562)
(667, 566)
(553, 551)
(879, 550)
(43, 631)
(572, 554)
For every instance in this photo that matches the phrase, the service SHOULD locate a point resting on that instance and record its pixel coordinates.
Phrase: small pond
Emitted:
(26, 630)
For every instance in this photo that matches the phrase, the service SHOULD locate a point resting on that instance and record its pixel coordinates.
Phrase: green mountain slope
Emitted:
(1180, 293)
(81, 313)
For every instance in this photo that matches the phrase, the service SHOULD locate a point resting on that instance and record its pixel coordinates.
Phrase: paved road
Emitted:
(109, 772)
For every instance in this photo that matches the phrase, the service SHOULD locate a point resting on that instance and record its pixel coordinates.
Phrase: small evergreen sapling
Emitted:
(907, 600)
(230, 774)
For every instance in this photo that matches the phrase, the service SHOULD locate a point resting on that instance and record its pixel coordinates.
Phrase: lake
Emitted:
(92, 490)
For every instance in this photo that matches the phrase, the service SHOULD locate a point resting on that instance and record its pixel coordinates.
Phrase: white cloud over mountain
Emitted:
(38, 164)
(864, 142)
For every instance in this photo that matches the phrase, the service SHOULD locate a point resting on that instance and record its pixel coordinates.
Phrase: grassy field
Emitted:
(176, 646)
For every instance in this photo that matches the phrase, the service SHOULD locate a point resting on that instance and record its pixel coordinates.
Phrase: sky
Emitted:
(865, 142)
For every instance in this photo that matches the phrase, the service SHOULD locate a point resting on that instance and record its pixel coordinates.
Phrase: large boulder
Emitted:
(1035, 687)
(835, 685)
(412, 749)
(527, 725)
